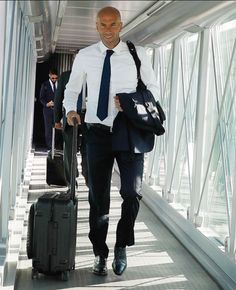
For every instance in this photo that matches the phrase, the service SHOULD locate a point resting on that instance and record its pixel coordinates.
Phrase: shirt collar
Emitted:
(52, 83)
(117, 49)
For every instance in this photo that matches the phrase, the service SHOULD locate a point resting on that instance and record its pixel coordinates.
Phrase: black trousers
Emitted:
(48, 124)
(100, 164)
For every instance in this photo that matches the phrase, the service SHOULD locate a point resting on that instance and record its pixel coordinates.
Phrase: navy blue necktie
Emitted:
(54, 87)
(102, 109)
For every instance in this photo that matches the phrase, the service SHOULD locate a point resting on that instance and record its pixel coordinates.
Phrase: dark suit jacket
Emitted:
(134, 128)
(141, 109)
(46, 93)
(59, 96)
(127, 137)
(59, 111)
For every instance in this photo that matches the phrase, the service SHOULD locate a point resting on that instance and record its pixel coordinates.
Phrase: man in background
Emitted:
(46, 97)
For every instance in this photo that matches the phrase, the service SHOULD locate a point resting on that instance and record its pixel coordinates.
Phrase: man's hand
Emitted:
(70, 116)
(58, 125)
(50, 104)
(117, 104)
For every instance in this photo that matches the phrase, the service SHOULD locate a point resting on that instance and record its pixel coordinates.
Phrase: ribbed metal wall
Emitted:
(61, 61)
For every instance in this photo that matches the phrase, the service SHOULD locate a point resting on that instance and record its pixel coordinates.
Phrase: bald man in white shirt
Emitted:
(88, 65)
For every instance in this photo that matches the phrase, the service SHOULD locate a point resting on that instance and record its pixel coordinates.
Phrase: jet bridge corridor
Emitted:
(186, 226)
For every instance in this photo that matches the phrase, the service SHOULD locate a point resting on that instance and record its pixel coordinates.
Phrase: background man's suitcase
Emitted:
(52, 227)
(55, 172)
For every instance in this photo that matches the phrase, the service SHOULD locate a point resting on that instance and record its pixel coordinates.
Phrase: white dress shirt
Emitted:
(51, 83)
(88, 66)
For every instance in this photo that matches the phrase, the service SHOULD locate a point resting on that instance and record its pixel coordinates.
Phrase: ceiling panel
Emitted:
(78, 27)
(66, 26)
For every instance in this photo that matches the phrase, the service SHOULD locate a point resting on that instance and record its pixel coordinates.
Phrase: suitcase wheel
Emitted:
(34, 274)
(65, 275)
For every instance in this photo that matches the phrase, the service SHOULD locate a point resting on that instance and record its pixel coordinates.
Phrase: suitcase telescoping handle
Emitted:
(74, 159)
(53, 142)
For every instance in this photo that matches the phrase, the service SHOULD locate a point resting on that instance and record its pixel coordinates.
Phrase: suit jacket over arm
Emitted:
(59, 96)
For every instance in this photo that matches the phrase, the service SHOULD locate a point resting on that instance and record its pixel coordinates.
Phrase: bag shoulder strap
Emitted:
(141, 85)
(132, 50)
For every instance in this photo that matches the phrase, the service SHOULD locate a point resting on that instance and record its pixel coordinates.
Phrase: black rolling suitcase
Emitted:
(55, 173)
(52, 226)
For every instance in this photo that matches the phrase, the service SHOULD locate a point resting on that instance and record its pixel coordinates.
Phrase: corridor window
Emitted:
(217, 190)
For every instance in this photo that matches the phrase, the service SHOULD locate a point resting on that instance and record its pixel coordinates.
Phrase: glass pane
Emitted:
(186, 111)
(216, 205)
(156, 160)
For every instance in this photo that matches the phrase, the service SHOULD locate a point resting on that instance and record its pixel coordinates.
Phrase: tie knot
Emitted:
(110, 52)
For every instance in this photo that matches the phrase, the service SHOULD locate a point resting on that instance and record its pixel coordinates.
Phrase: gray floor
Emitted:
(157, 261)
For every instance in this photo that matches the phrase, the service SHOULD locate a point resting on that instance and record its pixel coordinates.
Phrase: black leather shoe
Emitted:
(100, 266)
(120, 261)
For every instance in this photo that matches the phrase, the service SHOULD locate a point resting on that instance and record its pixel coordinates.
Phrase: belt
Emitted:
(99, 126)
(83, 111)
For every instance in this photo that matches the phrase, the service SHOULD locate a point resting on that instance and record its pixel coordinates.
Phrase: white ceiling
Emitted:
(78, 29)
(66, 26)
